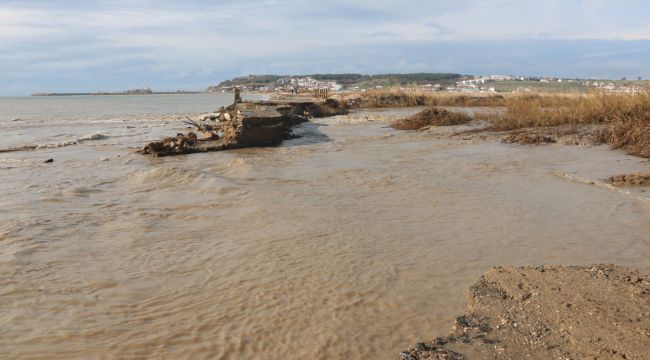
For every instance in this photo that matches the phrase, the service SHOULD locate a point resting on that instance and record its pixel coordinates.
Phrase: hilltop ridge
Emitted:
(269, 82)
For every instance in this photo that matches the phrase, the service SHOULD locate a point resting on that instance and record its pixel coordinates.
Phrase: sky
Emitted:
(91, 45)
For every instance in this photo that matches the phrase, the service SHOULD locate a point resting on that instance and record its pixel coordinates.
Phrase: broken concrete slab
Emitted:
(242, 125)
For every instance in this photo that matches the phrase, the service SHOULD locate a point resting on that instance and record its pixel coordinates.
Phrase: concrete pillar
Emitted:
(237, 96)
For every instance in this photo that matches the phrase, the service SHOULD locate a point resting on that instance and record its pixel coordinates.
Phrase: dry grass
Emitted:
(431, 117)
(625, 118)
(547, 111)
(396, 98)
(631, 135)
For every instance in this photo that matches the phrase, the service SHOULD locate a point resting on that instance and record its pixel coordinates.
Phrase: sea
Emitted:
(352, 241)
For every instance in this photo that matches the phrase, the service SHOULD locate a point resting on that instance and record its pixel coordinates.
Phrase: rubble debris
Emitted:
(527, 139)
(640, 179)
(239, 125)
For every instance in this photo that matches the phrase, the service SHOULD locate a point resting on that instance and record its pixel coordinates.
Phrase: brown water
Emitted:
(354, 241)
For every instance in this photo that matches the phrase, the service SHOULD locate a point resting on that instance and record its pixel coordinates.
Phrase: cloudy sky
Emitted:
(89, 45)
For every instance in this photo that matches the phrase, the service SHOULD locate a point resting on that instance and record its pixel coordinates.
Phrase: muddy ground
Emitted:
(550, 312)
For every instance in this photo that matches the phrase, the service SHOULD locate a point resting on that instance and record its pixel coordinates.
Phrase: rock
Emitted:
(48, 161)
(209, 135)
(209, 116)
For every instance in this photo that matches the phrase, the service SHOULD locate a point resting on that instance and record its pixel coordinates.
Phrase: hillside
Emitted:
(345, 80)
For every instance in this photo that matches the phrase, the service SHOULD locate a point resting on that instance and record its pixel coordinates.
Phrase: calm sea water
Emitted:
(352, 242)
(100, 107)
(63, 120)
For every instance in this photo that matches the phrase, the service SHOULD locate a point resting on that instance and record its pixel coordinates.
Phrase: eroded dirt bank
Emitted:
(550, 312)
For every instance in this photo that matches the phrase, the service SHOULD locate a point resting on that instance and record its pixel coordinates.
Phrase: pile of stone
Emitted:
(640, 179)
(180, 144)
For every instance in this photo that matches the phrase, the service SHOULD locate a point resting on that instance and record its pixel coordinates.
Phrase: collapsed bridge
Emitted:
(243, 124)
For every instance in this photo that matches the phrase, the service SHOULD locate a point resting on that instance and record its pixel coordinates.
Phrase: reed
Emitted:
(625, 118)
(631, 135)
(397, 98)
(546, 111)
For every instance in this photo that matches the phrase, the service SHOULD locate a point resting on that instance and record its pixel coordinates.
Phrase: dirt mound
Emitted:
(630, 179)
(550, 312)
(527, 139)
(431, 117)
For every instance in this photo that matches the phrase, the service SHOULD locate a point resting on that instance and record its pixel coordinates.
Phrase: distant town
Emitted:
(421, 82)
(428, 82)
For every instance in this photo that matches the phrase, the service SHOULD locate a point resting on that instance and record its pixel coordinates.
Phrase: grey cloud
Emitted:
(198, 42)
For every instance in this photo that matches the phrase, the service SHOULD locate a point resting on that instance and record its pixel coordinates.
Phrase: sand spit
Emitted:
(550, 312)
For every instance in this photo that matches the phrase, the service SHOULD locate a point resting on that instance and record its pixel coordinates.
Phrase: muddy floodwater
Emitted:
(352, 242)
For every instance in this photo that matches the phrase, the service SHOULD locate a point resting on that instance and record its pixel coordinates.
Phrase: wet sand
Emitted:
(353, 241)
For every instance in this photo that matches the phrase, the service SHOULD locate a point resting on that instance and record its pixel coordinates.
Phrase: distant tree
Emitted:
(623, 78)
(639, 78)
